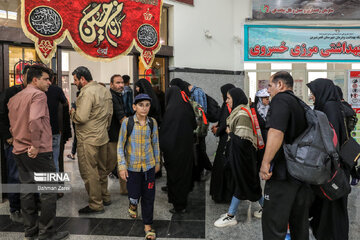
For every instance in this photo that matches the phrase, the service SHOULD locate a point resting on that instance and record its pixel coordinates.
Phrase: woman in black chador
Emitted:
(330, 218)
(241, 156)
(144, 86)
(222, 184)
(176, 142)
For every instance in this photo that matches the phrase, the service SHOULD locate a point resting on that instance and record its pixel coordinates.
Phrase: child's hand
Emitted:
(124, 175)
(157, 168)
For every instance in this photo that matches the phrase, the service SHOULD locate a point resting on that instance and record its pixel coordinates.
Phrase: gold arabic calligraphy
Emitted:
(101, 19)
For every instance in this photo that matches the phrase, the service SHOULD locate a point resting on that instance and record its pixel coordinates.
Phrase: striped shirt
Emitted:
(142, 151)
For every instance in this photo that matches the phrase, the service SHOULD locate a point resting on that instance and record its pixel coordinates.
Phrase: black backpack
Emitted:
(310, 157)
(213, 109)
(350, 116)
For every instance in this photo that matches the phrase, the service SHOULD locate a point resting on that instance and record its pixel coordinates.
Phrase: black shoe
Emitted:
(60, 195)
(57, 236)
(173, 211)
(158, 174)
(107, 203)
(88, 210)
(164, 188)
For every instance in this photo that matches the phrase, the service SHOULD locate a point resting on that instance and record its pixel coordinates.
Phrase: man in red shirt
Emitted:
(32, 141)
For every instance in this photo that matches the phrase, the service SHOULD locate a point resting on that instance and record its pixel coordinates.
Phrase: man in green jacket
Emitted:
(92, 119)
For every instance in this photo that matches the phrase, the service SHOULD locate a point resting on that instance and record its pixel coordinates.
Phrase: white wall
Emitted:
(101, 71)
(222, 18)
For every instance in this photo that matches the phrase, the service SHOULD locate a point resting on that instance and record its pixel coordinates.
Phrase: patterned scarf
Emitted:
(240, 124)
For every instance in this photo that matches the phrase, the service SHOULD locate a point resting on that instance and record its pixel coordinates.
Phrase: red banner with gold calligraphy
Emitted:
(100, 30)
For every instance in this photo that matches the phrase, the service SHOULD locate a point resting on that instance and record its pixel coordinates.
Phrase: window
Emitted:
(10, 13)
(164, 26)
(355, 66)
(17, 54)
(281, 66)
(155, 75)
(316, 66)
(249, 66)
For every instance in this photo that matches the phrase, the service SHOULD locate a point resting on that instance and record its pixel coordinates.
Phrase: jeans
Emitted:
(12, 177)
(235, 204)
(56, 149)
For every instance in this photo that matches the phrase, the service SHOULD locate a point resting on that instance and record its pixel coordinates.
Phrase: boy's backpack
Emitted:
(213, 109)
(310, 157)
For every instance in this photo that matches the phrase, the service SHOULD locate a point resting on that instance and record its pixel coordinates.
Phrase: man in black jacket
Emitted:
(116, 87)
(6, 138)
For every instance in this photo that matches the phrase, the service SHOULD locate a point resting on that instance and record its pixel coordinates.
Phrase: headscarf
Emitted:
(225, 88)
(183, 85)
(224, 110)
(146, 88)
(324, 91)
(328, 101)
(238, 97)
(239, 121)
(261, 108)
(340, 92)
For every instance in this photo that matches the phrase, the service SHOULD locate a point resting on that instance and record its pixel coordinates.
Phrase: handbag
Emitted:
(350, 150)
(337, 186)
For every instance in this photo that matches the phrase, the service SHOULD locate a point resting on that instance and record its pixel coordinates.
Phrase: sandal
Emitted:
(150, 235)
(132, 211)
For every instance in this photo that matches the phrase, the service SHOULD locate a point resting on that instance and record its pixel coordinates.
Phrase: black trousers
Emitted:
(141, 185)
(286, 202)
(34, 224)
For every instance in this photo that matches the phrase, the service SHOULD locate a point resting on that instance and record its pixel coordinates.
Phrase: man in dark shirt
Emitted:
(116, 87)
(287, 200)
(7, 139)
(55, 96)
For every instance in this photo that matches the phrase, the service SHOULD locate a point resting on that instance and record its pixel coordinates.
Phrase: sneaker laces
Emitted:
(228, 218)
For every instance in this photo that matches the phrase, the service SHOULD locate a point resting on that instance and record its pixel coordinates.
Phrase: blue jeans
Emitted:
(235, 204)
(13, 177)
(56, 149)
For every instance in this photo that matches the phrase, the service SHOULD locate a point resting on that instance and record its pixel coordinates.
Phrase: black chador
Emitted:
(176, 142)
(222, 184)
(330, 218)
(242, 148)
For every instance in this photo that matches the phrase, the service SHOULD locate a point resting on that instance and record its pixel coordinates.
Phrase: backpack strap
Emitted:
(130, 127)
(151, 125)
(184, 96)
(251, 119)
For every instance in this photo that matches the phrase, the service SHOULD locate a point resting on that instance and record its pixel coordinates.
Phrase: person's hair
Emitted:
(114, 76)
(37, 71)
(126, 79)
(25, 69)
(285, 77)
(82, 72)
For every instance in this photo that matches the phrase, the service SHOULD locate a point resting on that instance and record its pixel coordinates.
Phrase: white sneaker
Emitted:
(225, 221)
(258, 213)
